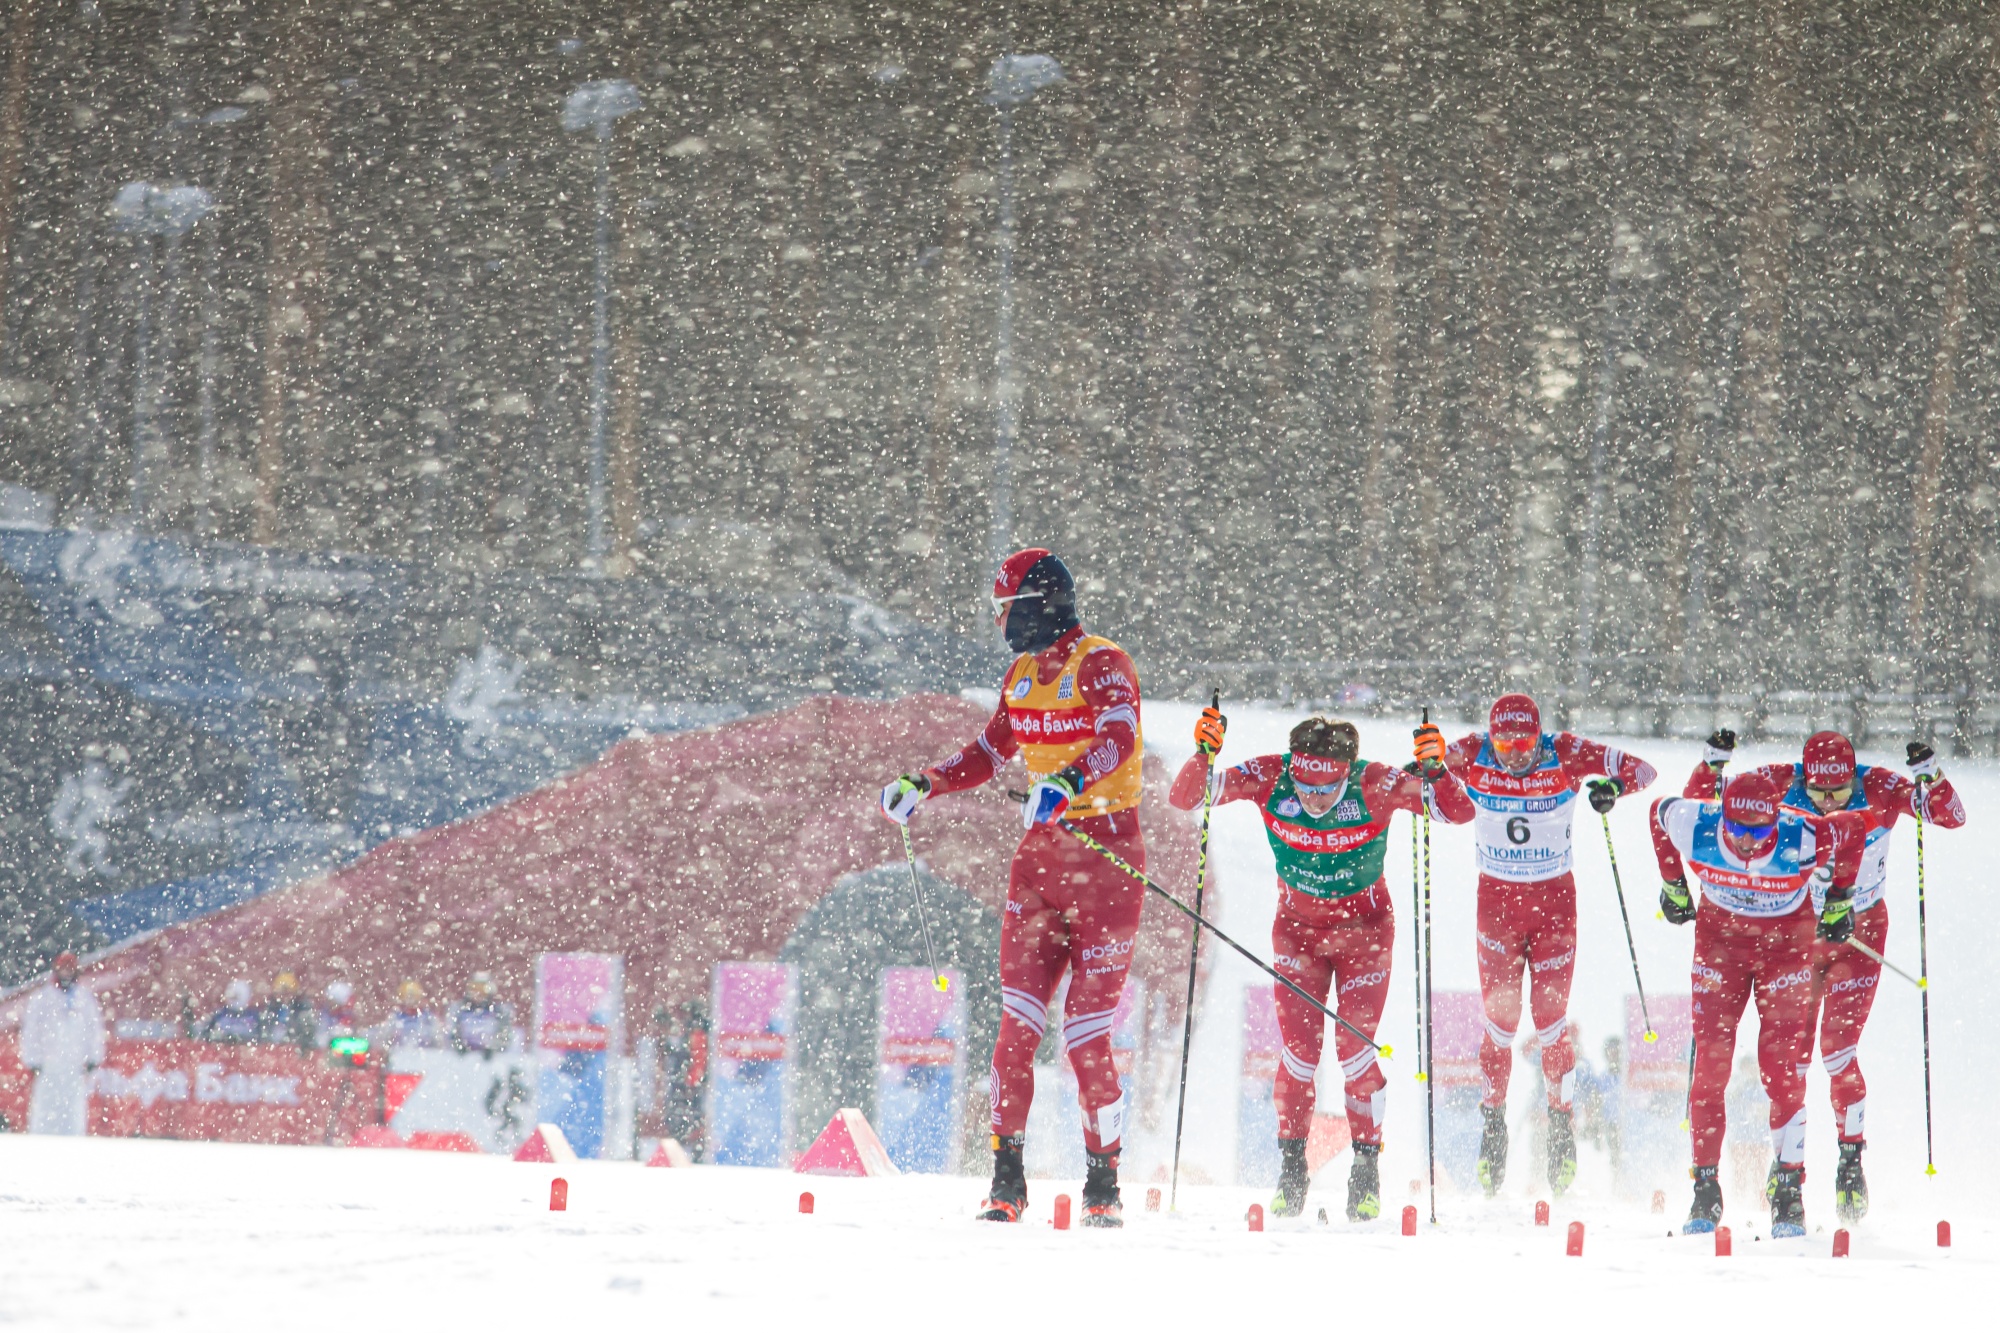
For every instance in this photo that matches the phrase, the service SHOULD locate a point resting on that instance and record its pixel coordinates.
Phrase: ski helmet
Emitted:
(1514, 715)
(1828, 761)
(1034, 600)
(1750, 813)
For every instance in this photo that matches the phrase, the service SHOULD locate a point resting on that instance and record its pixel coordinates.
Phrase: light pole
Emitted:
(145, 210)
(599, 105)
(1012, 81)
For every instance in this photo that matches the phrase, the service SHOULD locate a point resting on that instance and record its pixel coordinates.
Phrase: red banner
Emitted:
(203, 1090)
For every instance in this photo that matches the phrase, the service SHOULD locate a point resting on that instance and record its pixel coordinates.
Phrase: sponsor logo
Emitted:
(1021, 688)
(1790, 979)
(1511, 718)
(1115, 677)
(1014, 906)
(1560, 960)
(1707, 974)
(1852, 984)
(1365, 979)
(1295, 964)
(1752, 805)
(1289, 806)
(1113, 949)
(1487, 942)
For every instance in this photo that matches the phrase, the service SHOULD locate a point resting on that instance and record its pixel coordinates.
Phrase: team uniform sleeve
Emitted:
(1895, 794)
(1582, 758)
(1442, 798)
(979, 761)
(1839, 839)
(1702, 784)
(1672, 822)
(1109, 683)
(1251, 780)
(1460, 755)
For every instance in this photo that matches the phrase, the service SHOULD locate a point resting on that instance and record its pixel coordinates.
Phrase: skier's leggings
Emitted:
(1527, 928)
(1844, 983)
(1319, 943)
(1737, 958)
(1068, 910)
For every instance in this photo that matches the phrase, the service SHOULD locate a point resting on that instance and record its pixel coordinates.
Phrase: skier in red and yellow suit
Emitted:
(1069, 705)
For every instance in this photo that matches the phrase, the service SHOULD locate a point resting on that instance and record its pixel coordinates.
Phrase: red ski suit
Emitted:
(1527, 895)
(1753, 937)
(1317, 941)
(1068, 909)
(1844, 978)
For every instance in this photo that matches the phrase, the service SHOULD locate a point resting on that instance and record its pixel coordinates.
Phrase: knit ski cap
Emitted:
(1514, 715)
(1752, 799)
(1829, 760)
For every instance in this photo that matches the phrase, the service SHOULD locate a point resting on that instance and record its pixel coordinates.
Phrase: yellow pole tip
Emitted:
(1388, 1052)
(1923, 983)
(943, 983)
(1930, 1169)
(1684, 1124)
(1422, 1077)
(1651, 1036)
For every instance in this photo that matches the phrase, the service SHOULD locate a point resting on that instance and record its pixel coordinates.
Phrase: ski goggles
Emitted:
(1831, 798)
(1000, 604)
(1516, 745)
(1748, 832)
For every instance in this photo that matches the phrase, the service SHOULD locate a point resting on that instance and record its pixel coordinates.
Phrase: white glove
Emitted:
(901, 798)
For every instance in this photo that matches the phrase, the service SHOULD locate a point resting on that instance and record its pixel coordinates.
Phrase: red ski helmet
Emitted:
(1828, 761)
(1514, 715)
(1751, 800)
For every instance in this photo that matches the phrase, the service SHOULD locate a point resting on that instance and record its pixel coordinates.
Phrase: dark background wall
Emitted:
(1632, 351)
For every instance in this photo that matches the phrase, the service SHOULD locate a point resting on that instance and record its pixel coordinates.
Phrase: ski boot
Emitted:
(1493, 1149)
(1850, 1187)
(1562, 1150)
(1293, 1179)
(1101, 1204)
(1786, 1191)
(1706, 1214)
(1364, 1184)
(1008, 1196)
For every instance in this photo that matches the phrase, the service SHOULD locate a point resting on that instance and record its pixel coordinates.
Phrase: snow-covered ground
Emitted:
(134, 1234)
(121, 1233)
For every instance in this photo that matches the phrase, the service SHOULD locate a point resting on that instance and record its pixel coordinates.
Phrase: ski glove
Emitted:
(1208, 729)
(1924, 766)
(1836, 918)
(1604, 793)
(1676, 902)
(1721, 745)
(901, 798)
(1429, 746)
(1049, 798)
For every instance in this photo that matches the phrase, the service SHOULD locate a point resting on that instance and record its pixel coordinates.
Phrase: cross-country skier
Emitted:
(1523, 781)
(1069, 705)
(1827, 779)
(1327, 813)
(1754, 858)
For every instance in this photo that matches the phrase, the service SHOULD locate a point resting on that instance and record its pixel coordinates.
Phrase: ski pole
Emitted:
(1618, 884)
(1194, 957)
(1417, 948)
(1383, 1050)
(1430, 1048)
(1919, 983)
(1924, 971)
(938, 979)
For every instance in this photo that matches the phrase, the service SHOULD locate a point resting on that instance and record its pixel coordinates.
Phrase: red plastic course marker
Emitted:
(805, 1201)
(1541, 1212)
(1256, 1217)
(1062, 1212)
(1840, 1243)
(1575, 1249)
(1409, 1219)
(1152, 1201)
(1944, 1235)
(1722, 1250)
(1659, 1201)
(558, 1195)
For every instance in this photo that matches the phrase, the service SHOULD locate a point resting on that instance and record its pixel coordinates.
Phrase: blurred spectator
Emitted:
(410, 1024)
(335, 1015)
(683, 1071)
(481, 1023)
(62, 1040)
(1599, 1100)
(285, 1018)
(237, 1021)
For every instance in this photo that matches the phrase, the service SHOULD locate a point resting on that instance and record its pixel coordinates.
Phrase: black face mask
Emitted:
(1035, 623)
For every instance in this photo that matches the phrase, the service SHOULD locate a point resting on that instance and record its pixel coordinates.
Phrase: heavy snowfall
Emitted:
(490, 493)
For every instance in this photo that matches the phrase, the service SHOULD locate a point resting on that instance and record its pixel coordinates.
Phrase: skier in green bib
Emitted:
(1327, 812)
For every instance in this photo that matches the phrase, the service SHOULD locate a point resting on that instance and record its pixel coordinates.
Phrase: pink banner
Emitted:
(1261, 1041)
(1662, 1065)
(579, 1002)
(1458, 1021)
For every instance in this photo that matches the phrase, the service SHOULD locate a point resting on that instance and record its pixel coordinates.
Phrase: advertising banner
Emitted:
(1458, 1022)
(579, 1029)
(920, 1078)
(1256, 1114)
(177, 1089)
(750, 1083)
(1646, 1113)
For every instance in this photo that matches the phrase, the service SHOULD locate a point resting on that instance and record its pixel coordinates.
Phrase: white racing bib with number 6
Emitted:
(1522, 827)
